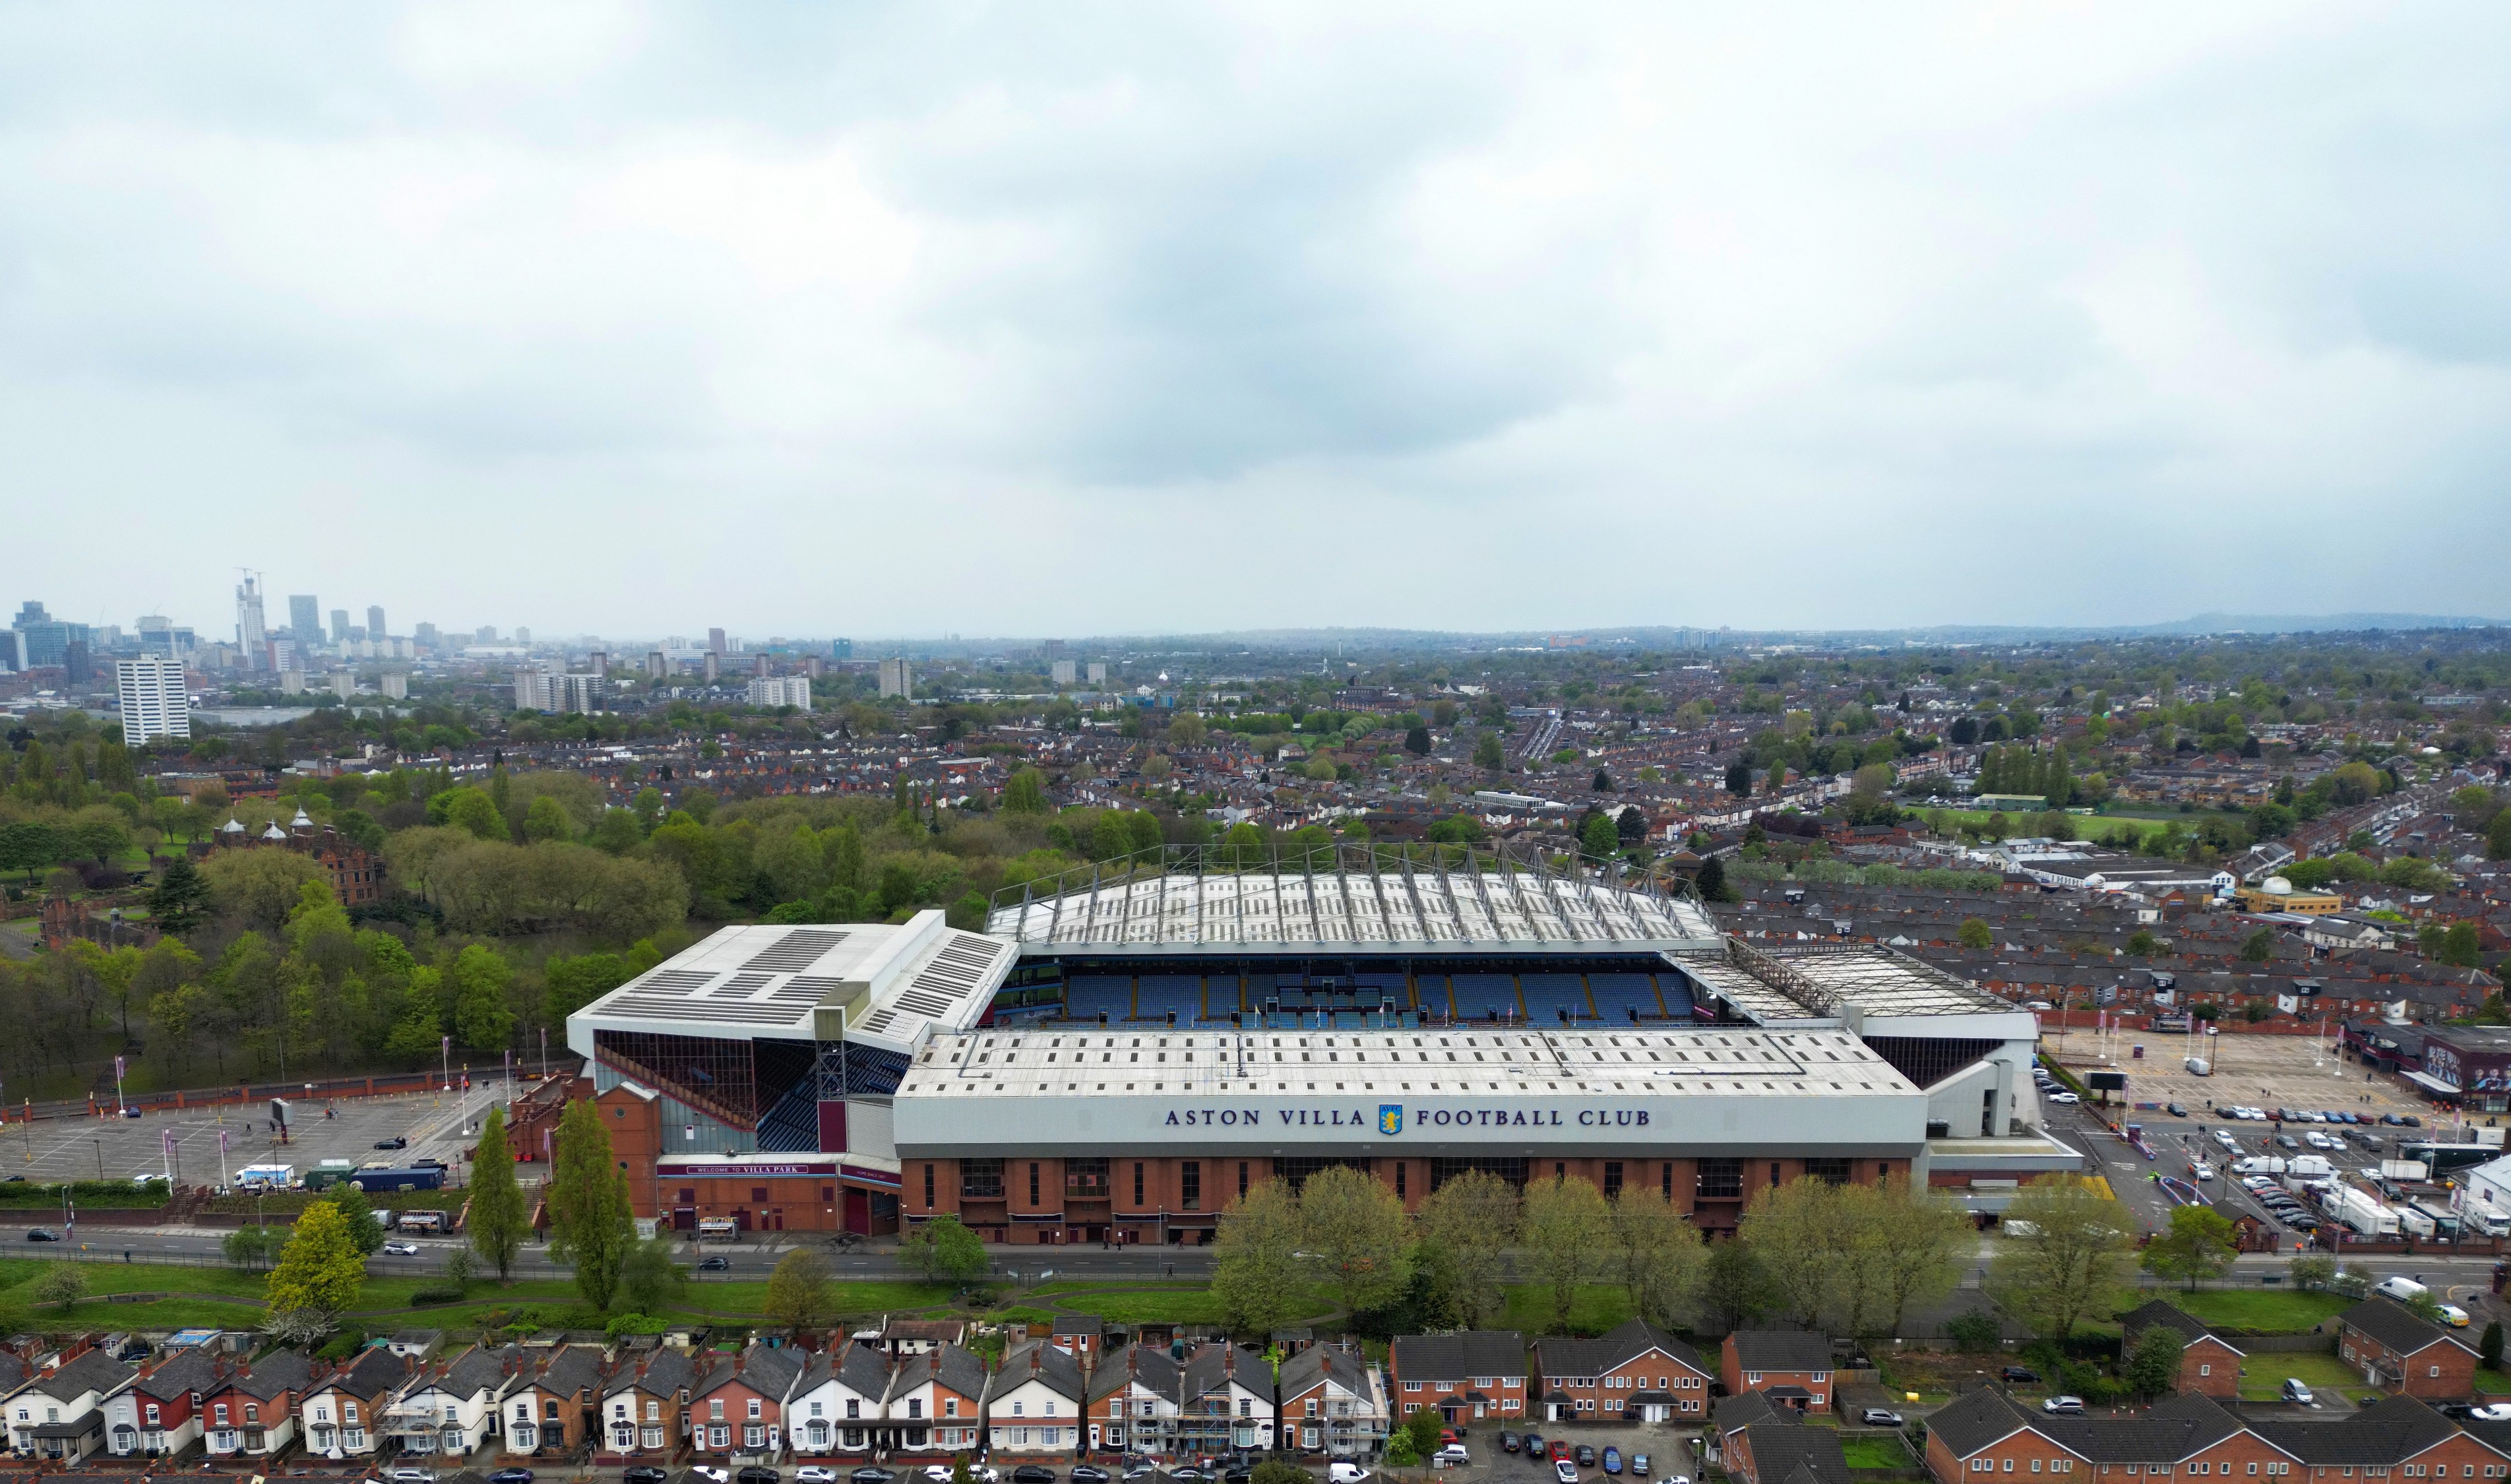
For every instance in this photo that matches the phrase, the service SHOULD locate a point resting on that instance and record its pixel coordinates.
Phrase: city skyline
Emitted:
(1795, 318)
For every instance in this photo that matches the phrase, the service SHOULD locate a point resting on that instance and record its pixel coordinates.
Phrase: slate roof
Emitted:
(372, 1374)
(1079, 1324)
(575, 1368)
(1752, 1409)
(1792, 1452)
(1056, 1370)
(1147, 1364)
(2389, 1322)
(2171, 1429)
(1558, 1356)
(1781, 1351)
(1303, 1372)
(2389, 1432)
(2393, 1430)
(767, 1371)
(2160, 1312)
(481, 1368)
(185, 1372)
(12, 1372)
(1208, 1370)
(951, 1366)
(93, 1371)
(1460, 1357)
(664, 1373)
(278, 1373)
(1967, 1423)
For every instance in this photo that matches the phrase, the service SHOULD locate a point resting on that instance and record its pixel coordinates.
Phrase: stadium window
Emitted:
(1399, 1179)
(1665, 1177)
(759, 1194)
(928, 1187)
(1612, 1178)
(1032, 1183)
(1190, 1184)
(1722, 1179)
(1242, 1179)
(1137, 1183)
(981, 1178)
(1774, 1179)
(1560, 1169)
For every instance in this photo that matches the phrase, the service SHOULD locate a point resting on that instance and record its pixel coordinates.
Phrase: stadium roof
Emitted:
(1185, 900)
(889, 983)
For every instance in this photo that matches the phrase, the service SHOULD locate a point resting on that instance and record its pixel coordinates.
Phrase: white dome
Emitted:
(2277, 886)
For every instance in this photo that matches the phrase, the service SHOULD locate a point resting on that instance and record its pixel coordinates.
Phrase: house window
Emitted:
(152, 1414)
(715, 1409)
(754, 1413)
(653, 1412)
(950, 1406)
(854, 1408)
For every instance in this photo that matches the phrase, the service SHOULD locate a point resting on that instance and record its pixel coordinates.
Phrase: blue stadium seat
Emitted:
(792, 1125)
(1088, 994)
(1618, 996)
(1156, 994)
(1481, 997)
(1548, 996)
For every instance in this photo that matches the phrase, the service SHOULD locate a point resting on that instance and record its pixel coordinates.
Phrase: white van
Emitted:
(2405, 1290)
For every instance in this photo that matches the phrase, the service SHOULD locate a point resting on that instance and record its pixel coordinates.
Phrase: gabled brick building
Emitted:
(2402, 1353)
(1465, 1376)
(1637, 1373)
(2209, 1363)
(1790, 1367)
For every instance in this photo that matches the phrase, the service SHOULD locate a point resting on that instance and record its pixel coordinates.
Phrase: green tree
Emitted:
(469, 809)
(1739, 778)
(1598, 839)
(1917, 1245)
(942, 1248)
(1656, 1253)
(320, 1270)
(2489, 1345)
(1488, 754)
(253, 1246)
(2198, 1243)
(2141, 944)
(2312, 1274)
(1735, 1290)
(2153, 1366)
(498, 1217)
(2062, 1254)
(62, 1285)
(588, 1204)
(1354, 1226)
(482, 1017)
(2498, 838)
(2258, 947)
(799, 1295)
(1472, 1221)
(1975, 1332)
(1565, 1232)
(358, 1217)
(1974, 934)
(181, 900)
(1255, 1266)
(546, 819)
(1025, 793)
(1417, 741)
(649, 1279)
(1711, 882)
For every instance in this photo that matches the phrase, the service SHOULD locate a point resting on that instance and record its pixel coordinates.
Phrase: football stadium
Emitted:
(1123, 1050)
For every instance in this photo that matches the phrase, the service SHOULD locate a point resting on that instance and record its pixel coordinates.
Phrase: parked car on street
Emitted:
(1344, 1471)
(873, 1475)
(815, 1473)
(1032, 1473)
(2065, 1406)
(1089, 1474)
(644, 1473)
(755, 1473)
(510, 1476)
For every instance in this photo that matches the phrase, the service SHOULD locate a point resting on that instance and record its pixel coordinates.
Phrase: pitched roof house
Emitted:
(936, 1401)
(450, 1408)
(546, 1409)
(1333, 1402)
(59, 1413)
(2209, 1363)
(253, 1413)
(1470, 1374)
(160, 1413)
(738, 1410)
(1035, 1402)
(1635, 1373)
(644, 1407)
(836, 1404)
(342, 1413)
(2396, 1350)
(1791, 1366)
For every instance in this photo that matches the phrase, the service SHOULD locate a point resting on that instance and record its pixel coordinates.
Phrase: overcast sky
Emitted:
(819, 319)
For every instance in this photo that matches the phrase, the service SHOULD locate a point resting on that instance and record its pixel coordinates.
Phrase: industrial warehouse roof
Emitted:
(1180, 900)
(890, 983)
(1738, 1061)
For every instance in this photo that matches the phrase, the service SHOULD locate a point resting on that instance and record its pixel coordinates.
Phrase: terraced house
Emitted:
(1465, 1376)
(160, 1415)
(1333, 1402)
(253, 1413)
(547, 1407)
(739, 1409)
(645, 1410)
(58, 1414)
(836, 1405)
(1637, 1373)
(1985, 1433)
(1035, 1404)
(343, 1410)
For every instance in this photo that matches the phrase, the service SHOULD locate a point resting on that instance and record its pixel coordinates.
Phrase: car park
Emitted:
(2288, 1142)
(2063, 1406)
(1612, 1459)
(1878, 1417)
(2492, 1412)
(1559, 1449)
(1533, 1445)
(2296, 1391)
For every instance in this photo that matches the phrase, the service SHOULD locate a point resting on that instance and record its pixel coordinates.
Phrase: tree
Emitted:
(1488, 754)
(2258, 947)
(1565, 1232)
(1601, 783)
(941, 1248)
(1353, 1225)
(1598, 839)
(2141, 944)
(1472, 1219)
(2153, 1366)
(253, 1246)
(1656, 1253)
(588, 1204)
(498, 1217)
(1712, 880)
(358, 1217)
(1254, 1262)
(181, 900)
(2061, 1254)
(1739, 778)
(1918, 1244)
(2312, 1274)
(2198, 1244)
(2498, 838)
(258, 888)
(649, 1279)
(482, 1017)
(545, 819)
(1973, 1332)
(1417, 741)
(63, 1284)
(1795, 1230)
(1734, 1290)
(320, 1270)
(798, 1293)
(1973, 935)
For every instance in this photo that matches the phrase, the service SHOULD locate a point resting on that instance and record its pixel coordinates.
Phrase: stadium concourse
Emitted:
(1121, 1053)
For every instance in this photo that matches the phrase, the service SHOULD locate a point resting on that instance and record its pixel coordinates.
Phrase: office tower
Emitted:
(715, 639)
(375, 621)
(897, 679)
(75, 667)
(12, 650)
(30, 612)
(304, 618)
(250, 637)
(157, 636)
(657, 665)
(153, 701)
(1064, 672)
(396, 686)
(340, 625)
(841, 648)
(793, 690)
(714, 665)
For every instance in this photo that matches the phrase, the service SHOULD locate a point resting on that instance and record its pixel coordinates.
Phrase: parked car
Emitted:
(2295, 1391)
(2067, 1406)
(1586, 1454)
(1032, 1473)
(1508, 1442)
(2175, 1110)
(1451, 1435)
(1639, 1465)
(1878, 1417)
(870, 1474)
(644, 1473)
(2018, 1373)
(395, 1141)
(1612, 1459)
(1090, 1474)
(427, 1163)
(1559, 1449)
(755, 1473)
(1533, 1445)
(815, 1473)
(511, 1476)
(1451, 1456)
(2492, 1412)
(716, 1476)
(1564, 1471)
(403, 1249)
(714, 1265)
(1190, 1474)
(412, 1476)
(1344, 1471)
(2067, 1097)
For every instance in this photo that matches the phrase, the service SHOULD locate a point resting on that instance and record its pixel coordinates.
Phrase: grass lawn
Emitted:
(1598, 1307)
(2492, 1382)
(2329, 1378)
(1101, 1285)
(2265, 1309)
(1875, 1453)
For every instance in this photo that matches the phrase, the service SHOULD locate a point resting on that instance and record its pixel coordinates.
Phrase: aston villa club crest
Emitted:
(1390, 1118)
